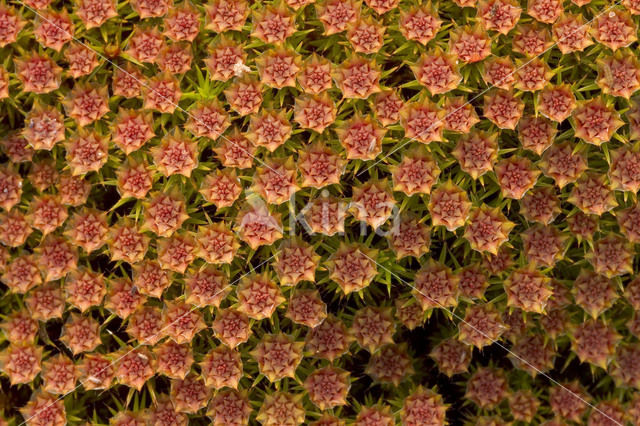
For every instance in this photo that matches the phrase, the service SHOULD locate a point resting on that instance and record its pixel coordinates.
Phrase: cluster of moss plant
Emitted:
(319, 212)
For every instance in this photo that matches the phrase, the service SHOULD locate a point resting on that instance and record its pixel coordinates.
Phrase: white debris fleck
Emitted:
(239, 68)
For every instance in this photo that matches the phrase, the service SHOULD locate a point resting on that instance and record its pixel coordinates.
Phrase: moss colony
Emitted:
(324, 212)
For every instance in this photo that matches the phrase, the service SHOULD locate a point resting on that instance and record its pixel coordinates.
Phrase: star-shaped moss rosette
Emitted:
(134, 368)
(320, 166)
(416, 173)
(451, 356)
(515, 176)
(46, 126)
(222, 367)
(174, 359)
(38, 73)
(306, 307)
(437, 72)
(176, 154)
(14, 24)
(449, 206)
(592, 194)
(207, 285)
(619, 74)
(373, 327)
(390, 365)
(571, 33)
(544, 245)
(269, 129)
(470, 44)
(231, 327)
(436, 286)
(256, 226)
(500, 16)
(45, 408)
(409, 237)
(175, 253)
(422, 121)
(12, 187)
(329, 340)
(258, 296)
(162, 411)
(20, 327)
(622, 173)
(409, 312)
(594, 342)
(472, 281)
(73, 190)
(387, 106)
(503, 108)
(164, 213)
(372, 203)
(615, 30)
(96, 372)
(58, 375)
(281, 408)
(623, 369)
(488, 229)
(540, 204)
(594, 293)
(181, 322)
(216, 243)
(278, 356)
(84, 288)
(81, 334)
(595, 122)
(482, 325)
(361, 138)
(189, 395)
(22, 274)
(21, 362)
(460, 116)
(276, 182)
(524, 405)
(352, 267)
(145, 325)
(375, 414)
(528, 289)
(423, 405)
(611, 256)
(476, 153)
(565, 400)
(87, 229)
(328, 387)
(499, 72)
(487, 387)
(46, 302)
